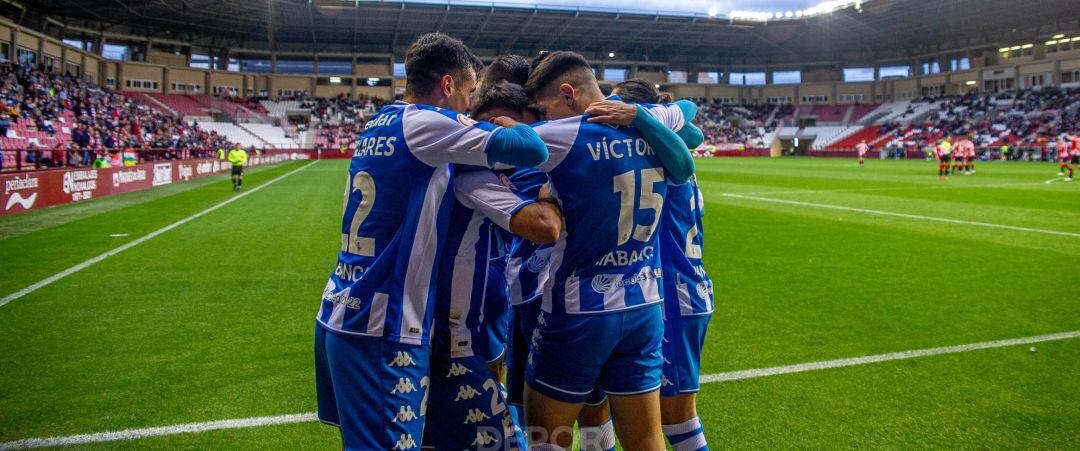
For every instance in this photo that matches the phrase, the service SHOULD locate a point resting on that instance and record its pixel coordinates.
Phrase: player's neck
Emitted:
(435, 101)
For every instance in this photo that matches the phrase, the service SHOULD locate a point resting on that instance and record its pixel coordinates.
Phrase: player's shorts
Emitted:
(495, 328)
(469, 408)
(237, 170)
(523, 323)
(1075, 159)
(373, 389)
(945, 158)
(618, 352)
(684, 337)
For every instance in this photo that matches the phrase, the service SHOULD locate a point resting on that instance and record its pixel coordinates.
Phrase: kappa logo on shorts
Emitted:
(475, 416)
(402, 359)
(484, 438)
(466, 392)
(457, 369)
(664, 382)
(405, 442)
(404, 385)
(405, 414)
(601, 283)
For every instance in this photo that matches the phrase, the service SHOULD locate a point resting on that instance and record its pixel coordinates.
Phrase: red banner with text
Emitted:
(31, 190)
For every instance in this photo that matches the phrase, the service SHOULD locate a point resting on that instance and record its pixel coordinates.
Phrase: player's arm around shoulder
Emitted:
(536, 219)
(438, 137)
(658, 125)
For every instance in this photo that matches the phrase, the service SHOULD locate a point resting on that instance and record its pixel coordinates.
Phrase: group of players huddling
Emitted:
(1068, 150)
(562, 258)
(955, 157)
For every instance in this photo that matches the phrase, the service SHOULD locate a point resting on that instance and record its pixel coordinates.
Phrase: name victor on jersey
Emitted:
(619, 148)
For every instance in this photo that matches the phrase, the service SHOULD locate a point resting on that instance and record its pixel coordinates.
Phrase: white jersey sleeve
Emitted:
(485, 192)
(559, 136)
(438, 137)
(668, 114)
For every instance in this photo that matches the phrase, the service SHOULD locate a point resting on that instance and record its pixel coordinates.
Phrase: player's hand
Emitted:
(503, 121)
(612, 112)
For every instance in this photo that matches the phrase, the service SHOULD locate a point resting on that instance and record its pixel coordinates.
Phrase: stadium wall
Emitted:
(820, 81)
(33, 190)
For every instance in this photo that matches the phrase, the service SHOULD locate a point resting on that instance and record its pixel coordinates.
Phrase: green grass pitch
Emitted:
(213, 320)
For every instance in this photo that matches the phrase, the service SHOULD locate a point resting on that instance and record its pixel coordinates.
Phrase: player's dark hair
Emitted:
(511, 68)
(636, 90)
(432, 56)
(504, 95)
(554, 67)
(606, 88)
(665, 97)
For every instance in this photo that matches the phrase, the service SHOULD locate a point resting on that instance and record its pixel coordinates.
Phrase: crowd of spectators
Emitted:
(742, 124)
(82, 121)
(1029, 118)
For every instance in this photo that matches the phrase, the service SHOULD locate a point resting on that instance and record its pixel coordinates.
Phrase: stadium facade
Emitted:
(886, 50)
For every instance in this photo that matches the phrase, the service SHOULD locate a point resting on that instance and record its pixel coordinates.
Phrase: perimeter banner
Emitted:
(31, 190)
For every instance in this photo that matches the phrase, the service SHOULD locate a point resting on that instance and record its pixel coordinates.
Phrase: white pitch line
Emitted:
(133, 434)
(813, 366)
(888, 188)
(189, 428)
(140, 240)
(904, 215)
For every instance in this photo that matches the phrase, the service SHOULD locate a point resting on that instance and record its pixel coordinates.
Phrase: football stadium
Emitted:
(347, 224)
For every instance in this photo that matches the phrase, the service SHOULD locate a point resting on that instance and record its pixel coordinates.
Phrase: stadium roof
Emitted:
(879, 30)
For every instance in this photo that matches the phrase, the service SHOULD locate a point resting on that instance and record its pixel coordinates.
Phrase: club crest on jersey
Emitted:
(405, 442)
(465, 120)
(466, 392)
(703, 289)
(601, 283)
(405, 414)
(402, 359)
(536, 263)
(475, 416)
(404, 385)
(457, 369)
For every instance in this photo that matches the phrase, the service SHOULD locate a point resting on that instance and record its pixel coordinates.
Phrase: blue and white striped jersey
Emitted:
(611, 186)
(526, 266)
(687, 288)
(471, 307)
(397, 205)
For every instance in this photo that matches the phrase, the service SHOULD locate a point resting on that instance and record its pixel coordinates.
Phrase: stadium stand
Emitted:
(56, 120)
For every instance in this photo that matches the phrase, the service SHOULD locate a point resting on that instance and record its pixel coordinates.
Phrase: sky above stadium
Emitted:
(722, 7)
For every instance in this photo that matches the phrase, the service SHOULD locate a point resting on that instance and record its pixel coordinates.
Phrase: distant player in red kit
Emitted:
(967, 149)
(862, 148)
(1063, 150)
(943, 152)
(1074, 155)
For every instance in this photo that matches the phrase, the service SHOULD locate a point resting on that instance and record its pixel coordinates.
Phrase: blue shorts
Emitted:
(495, 326)
(373, 389)
(619, 352)
(522, 325)
(684, 336)
(469, 408)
